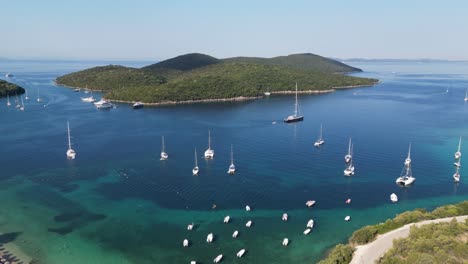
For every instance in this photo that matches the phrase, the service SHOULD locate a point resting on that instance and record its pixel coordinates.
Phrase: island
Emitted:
(198, 77)
(11, 89)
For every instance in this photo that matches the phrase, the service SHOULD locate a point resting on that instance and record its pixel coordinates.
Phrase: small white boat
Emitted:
(8, 75)
(406, 178)
(247, 208)
(347, 218)
(348, 156)
(349, 171)
(186, 243)
(232, 168)
(235, 234)
(76, 90)
(193, 262)
(26, 97)
(348, 201)
(70, 152)
(310, 224)
(456, 175)
(320, 140)
(218, 258)
(195, 169)
(209, 153)
(164, 155)
(226, 219)
(307, 231)
(138, 105)
(285, 242)
(240, 253)
(393, 198)
(267, 93)
(209, 238)
(103, 104)
(190, 226)
(285, 217)
(89, 99)
(458, 152)
(249, 223)
(310, 203)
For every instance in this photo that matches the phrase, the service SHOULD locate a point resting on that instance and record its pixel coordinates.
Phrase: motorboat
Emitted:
(186, 243)
(89, 99)
(249, 223)
(310, 203)
(218, 258)
(209, 153)
(240, 253)
(285, 217)
(209, 238)
(310, 224)
(247, 208)
(226, 219)
(348, 201)
(347, 218)
(235, 234)
(307, 231)
(285, 242)
(190, 226)
(103, 104)
(138, 105)
(76, 90)
(393, 198)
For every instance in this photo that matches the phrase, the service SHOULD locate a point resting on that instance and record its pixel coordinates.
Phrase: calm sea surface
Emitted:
(117, 203)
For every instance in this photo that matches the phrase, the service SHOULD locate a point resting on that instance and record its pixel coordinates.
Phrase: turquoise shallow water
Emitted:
(117, 203)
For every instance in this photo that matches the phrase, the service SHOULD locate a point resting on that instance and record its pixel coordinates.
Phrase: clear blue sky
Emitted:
(153, 30)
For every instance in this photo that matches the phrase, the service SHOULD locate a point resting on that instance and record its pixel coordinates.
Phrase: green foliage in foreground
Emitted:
(10, 89)
(221, 80)
(339, 255)
(442, 243)
(369, 233)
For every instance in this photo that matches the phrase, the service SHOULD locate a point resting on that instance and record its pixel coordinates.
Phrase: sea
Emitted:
(118, 203)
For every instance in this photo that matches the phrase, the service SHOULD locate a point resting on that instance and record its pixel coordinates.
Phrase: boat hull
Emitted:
(294, 119)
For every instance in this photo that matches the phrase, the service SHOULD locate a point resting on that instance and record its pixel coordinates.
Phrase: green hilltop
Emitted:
(10, 89)
(194, 77)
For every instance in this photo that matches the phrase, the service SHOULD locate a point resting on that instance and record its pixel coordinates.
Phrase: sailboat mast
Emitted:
(209, 139)
(409, 151)
(459, 144)
(68, 129)
(196, 160)
(295, 106)
(232, 156)
(163, 147)
(320, 131)
(349, 147)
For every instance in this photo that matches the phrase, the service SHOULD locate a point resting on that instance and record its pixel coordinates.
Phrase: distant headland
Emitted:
(198, 77)
(8, 88)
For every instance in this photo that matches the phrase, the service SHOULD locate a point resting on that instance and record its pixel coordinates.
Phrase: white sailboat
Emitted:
(22, 105)
(406, 178)
(26, 97)
(320, 141)
(195, 169)
(349, 171)
(209, 153)
(17, 102)
(70, 152)
(466, 96)
(296, 117)
(89, 99)
(456, 175)
(38, 98)
(164, 155)
(458, 152)
(348, 156)
(8, 100)
(232, 168)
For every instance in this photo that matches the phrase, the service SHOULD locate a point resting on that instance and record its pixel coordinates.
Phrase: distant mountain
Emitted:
(10, 89)
(194, 77)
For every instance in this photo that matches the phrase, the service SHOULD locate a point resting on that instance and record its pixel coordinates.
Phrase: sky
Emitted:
(157, 30)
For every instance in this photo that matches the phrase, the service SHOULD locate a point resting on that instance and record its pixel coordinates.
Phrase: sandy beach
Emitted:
(369, 253)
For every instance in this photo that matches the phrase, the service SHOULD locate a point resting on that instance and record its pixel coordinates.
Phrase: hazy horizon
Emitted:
(156, 30)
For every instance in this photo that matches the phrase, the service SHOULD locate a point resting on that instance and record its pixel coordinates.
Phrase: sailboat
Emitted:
(319, 141)
(209, 153)
(8, 100)
(22, 105)
(195, 169)
(349, 171)
(164, 155)
(232, 168)
(348, 156)
(456, 175)
(26, 97)
(17, 101)
(406, 178)
(70, 152)
(38, 98)
(466, 96)
(458, 152)
(295, 117)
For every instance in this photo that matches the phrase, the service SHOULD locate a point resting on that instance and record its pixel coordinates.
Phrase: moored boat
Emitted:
(240, 253)
(235, 234)
(296, 117)
(138, 105)
(209, 153)
(393, 198)
(285, 242)
(218, 258)
(406, 178)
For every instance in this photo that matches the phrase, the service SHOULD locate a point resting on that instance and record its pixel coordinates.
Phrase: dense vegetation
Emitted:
(442, 243)
(339, 255)
(201, 77)
(10, 89)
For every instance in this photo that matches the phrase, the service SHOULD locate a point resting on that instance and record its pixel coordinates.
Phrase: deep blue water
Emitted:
(118, 199)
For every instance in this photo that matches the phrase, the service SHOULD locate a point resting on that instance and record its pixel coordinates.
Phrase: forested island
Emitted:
(198, 77)
(8, 88)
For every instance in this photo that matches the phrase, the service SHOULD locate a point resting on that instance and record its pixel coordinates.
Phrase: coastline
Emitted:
(15, 252)
(233, 99)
